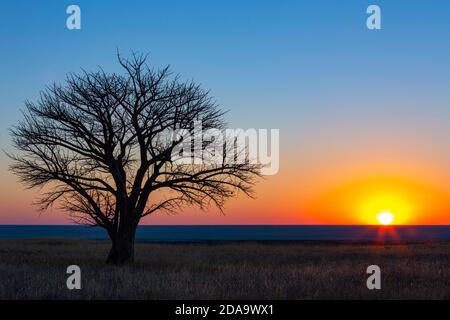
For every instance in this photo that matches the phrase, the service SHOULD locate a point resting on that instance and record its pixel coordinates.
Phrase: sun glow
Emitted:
(378, 207)
(385, 218)
(362, 201)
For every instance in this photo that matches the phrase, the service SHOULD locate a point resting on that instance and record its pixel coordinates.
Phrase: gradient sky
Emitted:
(364, 116)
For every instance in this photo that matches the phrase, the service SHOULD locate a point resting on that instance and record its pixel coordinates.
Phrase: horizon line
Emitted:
(236, 225)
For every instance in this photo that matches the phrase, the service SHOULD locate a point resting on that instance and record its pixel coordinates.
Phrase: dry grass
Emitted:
(31, 269)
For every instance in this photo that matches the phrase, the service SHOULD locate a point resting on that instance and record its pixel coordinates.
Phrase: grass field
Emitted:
(32, 269)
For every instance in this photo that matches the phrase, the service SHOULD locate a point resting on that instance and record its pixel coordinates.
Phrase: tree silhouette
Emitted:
(97, 148)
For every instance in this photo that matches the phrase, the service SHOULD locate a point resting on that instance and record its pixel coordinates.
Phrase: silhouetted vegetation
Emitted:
(102, 147)
(246, 270)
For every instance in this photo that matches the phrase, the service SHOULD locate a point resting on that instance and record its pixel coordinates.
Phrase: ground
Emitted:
(36, 269)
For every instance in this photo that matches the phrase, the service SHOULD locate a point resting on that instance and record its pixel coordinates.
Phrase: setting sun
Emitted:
(362, 201)
(385, 218)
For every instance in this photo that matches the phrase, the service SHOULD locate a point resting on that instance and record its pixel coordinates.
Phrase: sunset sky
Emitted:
(364, 115)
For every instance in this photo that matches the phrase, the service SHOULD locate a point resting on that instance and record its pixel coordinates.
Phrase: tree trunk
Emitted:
(122, 250)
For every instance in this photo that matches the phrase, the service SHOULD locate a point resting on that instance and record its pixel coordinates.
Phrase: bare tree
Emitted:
(95, 148)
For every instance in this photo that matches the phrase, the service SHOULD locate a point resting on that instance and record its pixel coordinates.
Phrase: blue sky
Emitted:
(252, 54)
(272, 63)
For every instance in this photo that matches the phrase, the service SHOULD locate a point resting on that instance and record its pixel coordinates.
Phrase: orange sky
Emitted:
(337, 189)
